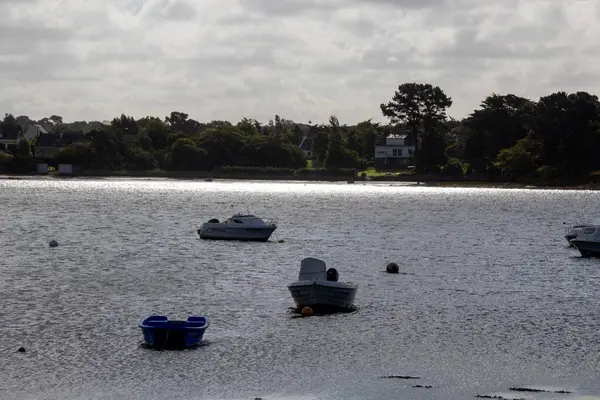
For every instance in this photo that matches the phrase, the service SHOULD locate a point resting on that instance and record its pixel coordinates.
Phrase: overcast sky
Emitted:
(301, 59)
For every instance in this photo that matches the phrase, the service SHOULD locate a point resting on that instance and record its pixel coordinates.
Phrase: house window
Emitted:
(395, 153)
(399, 152)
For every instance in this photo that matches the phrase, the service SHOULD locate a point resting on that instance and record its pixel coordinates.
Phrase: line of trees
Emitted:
(555, 137)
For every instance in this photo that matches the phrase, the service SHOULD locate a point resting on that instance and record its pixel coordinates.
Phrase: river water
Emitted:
(489, 296)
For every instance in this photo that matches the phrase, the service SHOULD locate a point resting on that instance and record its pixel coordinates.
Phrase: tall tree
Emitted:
(320, 144)
(333, 158)
(249, 126)
(56, 119)
(158, 132)
(124, 125)
(9, 120)
(499, 123)
(179, 122)
(567, 126)
(367, 134)
(420, 105)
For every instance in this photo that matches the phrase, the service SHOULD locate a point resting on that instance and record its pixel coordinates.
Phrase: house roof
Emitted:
(41, 129)
(396, 136)
(10, 132)
(61, 139)
(305, 129)
(407, 139)
(306, 144)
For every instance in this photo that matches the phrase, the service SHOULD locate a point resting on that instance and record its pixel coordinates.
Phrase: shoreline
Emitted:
(420, 180)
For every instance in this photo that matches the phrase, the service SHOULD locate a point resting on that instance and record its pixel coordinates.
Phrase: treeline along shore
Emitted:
(552, 141)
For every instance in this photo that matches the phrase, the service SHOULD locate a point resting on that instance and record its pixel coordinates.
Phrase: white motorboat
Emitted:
(587, 241)
(239, 227)
(318, 288)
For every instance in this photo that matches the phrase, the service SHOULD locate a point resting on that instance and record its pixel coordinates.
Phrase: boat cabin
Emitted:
(248, 219)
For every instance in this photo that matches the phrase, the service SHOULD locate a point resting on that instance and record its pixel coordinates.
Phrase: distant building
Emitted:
(33, 131)
(48, 146)
(396, 152)
(10, 135)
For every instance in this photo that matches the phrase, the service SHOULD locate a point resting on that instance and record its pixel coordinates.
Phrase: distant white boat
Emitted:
(239, 227)
(318, 287)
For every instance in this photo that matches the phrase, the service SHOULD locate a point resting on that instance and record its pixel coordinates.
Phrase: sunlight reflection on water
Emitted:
(490, 297)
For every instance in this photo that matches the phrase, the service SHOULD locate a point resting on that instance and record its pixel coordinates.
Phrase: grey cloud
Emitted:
(476, 14)
(174, 10)
(298, 57)
(49, 67)
(467, 46)
(34, 33)
(134, 6)
(404, 4)
(540, 34)
(290, 7)
(295, 7)
(383, 58)
(24, 39)
(572, 81)
(377, 60)
(234, 60)
(256, 37)
(361, 27)
(124, 57)
(507, 80)
(180, 11)
(377, 82)
(305, 97)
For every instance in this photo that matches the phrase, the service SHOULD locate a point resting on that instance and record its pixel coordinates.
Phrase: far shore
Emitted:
(404, 179)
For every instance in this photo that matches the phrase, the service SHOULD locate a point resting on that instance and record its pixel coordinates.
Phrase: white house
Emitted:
(397, 151)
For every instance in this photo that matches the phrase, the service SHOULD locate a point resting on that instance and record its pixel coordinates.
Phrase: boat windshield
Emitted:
(246, 219)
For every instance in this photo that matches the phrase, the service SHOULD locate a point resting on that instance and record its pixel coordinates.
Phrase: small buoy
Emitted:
(307, 311)
(53, 243)
(21, 350)
(392, 268)
(281, 241)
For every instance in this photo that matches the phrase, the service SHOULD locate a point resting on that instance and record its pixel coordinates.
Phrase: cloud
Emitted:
(301, 59)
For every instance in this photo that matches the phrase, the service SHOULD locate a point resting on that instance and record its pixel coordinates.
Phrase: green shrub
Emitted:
(453, 168)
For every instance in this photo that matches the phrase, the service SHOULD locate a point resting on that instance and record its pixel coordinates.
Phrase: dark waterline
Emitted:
(489, 296)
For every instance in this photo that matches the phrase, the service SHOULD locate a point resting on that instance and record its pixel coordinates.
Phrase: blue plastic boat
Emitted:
(160, 333)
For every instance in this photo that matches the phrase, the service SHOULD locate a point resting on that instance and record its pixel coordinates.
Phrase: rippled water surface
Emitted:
(490, 296)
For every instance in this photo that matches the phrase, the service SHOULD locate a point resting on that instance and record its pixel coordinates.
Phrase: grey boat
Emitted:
(587, 241)
(573, 231)
(318, 287)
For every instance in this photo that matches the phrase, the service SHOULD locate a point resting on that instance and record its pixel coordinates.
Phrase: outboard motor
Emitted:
(332, 275)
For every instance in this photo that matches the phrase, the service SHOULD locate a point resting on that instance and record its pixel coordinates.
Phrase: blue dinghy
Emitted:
(160, 333)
